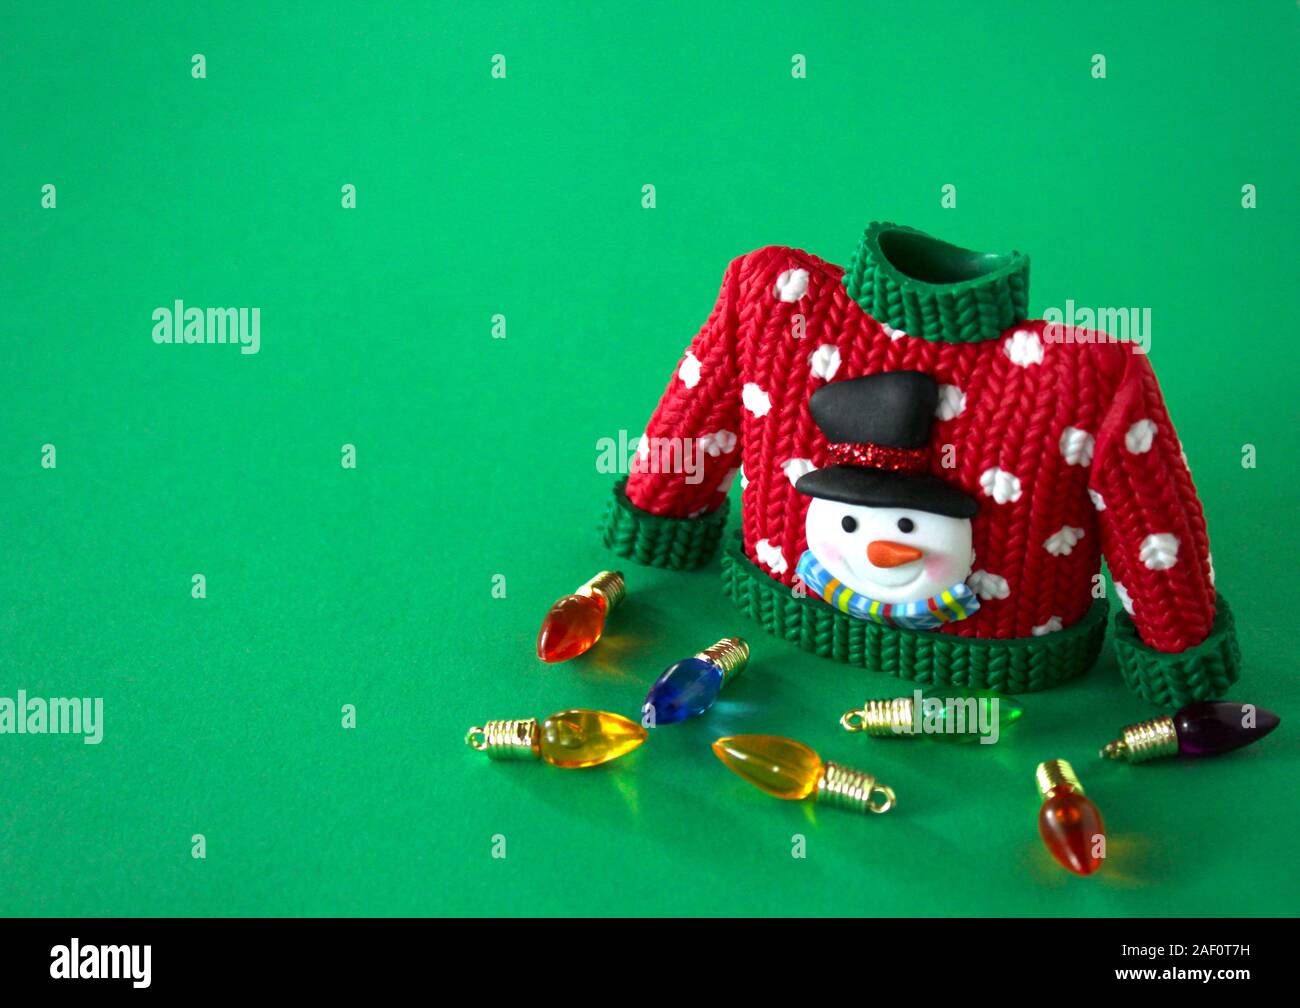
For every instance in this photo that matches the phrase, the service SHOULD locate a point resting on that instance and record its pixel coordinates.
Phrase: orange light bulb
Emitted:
(575, 622)
(1070, 824)
(571, 739)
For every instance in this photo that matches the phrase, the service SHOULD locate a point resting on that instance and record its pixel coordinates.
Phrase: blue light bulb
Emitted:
(689, 687)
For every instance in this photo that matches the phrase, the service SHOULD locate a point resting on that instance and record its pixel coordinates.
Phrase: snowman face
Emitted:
(889, 554)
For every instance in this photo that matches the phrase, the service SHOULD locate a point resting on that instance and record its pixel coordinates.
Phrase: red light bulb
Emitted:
(575, 622)
(1068, 822)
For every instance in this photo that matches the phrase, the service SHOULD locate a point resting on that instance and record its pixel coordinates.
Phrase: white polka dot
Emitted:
(689, 372)
(1076, 446)
(1140, 436)
(891, 332)
(796, 467)
(1159, 551)
(1053, 625)
(988, 586)
(755, 400)
(1062, 542)
(1024, 348)
(1001, 485)
(952, 401)
(727, 480)
(1209, 560)
(792, 285)
(771, 556)
(1097, 500)
(825, 361)
(718, 443)
(1124, 599)
(744, 480)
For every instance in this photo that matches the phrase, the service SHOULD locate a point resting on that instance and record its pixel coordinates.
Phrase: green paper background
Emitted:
(476, 456)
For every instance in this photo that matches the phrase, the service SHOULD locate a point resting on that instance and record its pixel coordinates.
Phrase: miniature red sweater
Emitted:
(1062, 435)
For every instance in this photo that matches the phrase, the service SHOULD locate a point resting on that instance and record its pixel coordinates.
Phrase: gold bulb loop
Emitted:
(853, 789)
(887, 804)
(881, 718)
(505, 740)
(1144, 741)
(731, 654)
(853, 721)
(609, 585)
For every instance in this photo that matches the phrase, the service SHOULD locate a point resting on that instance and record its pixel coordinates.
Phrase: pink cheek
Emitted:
(940, 568)
(826, 552)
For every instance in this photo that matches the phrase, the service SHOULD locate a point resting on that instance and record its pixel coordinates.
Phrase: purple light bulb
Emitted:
(1205, 728)
(1211, 727)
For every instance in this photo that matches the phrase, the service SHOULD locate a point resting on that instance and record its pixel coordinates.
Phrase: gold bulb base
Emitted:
(609, 585)
(1144, 741)
(852, 789)
(731, 654)
(505, 740)
(1055, 774)
(881, 718)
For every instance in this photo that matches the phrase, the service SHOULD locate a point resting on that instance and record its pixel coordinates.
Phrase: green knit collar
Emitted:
(929, 288)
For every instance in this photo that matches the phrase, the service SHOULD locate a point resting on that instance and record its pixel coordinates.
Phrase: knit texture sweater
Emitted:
(1062, 435)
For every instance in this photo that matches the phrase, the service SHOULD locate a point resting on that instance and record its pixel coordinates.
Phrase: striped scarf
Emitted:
(956, 603)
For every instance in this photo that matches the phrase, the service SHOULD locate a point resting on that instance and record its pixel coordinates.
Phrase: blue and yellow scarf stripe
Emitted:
(950, 605)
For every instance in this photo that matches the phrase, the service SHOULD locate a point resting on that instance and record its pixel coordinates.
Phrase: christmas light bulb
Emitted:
(944, 713)
(689, 687)
(574, 623)
(1206, 728)
(1068, 822)
(569, 739)
(790, 770)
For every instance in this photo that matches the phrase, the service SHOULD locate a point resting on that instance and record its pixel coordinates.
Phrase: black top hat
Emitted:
(879, 430)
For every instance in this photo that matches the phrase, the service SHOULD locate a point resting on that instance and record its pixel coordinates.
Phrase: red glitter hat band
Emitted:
(874, 456)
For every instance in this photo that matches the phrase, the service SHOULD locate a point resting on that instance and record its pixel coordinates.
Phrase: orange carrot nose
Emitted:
(883, 553)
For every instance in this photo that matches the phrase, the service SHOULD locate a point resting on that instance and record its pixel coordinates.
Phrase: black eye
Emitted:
(849, 523)
(906, 524)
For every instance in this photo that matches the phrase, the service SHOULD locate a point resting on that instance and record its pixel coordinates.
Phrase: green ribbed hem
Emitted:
(675, 543)
(1203, 672)
(1019, 665)
(967, 311)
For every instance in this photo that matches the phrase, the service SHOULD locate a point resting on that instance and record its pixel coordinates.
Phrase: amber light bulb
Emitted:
(570, 739)
(788, 769)
(1068, 822)
(575, 622)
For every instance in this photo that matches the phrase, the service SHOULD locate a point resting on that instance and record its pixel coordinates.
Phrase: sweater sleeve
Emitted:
(671, 510)
(1174, 639)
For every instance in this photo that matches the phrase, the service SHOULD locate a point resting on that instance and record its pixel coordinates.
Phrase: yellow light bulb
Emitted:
(790, 770)
(782, 767)
(583, 738)
(570, 739)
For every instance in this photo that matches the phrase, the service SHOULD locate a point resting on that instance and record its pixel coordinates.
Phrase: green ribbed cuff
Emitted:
(674, 543)
(1203, 672)
(948, 293)
(1019, 665)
